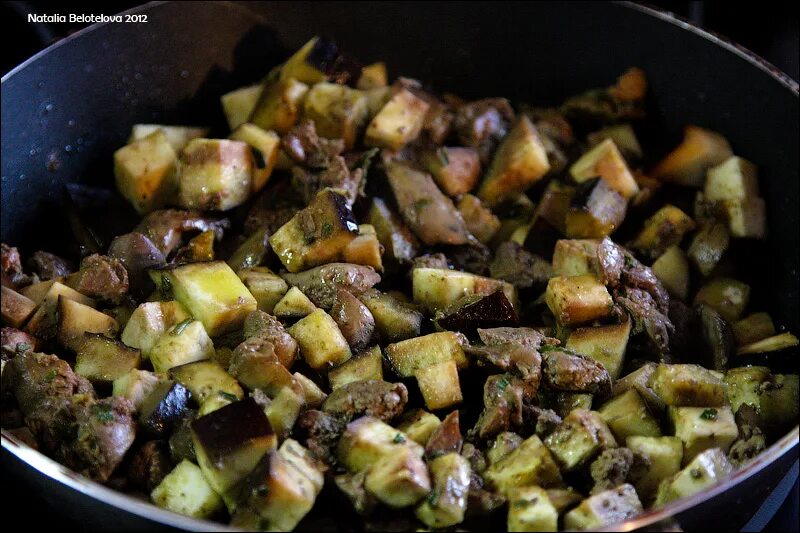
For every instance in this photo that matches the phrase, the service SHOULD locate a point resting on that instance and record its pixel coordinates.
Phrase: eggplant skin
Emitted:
(164, 408)
(491, 311)
(227, 428)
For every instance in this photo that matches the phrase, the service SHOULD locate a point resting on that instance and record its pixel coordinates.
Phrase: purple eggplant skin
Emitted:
(164, 408)
(491, 311)
(138, 254)
(231, 427)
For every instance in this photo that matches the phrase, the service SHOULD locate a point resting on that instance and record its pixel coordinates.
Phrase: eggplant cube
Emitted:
(177, 136)
(529, 464)
(519, 162)
(779, 403)
(312, 62)
(728, 297)
(279, 105)
(700, 150)
(284, 409)
(75, 319)
(606, 161)
(216, 174)
(746, 218)
(338, 111)
(575, 257)
(624, 138)
(439, 385)
(136, 386)
(316, 235)
(436, 288)
(266, 287)
(577, 300)
(662, 459)
(185, 491)
(701, 428)
(321, 342)
(408, 356)
(367, 365)
(265, 146)
(149, 322)
(365, 249)
(672, 270)
(733, 179)
(399, 479)
(706, 469)
(239, 104)
(163, 407)
(397, 240)
(752, 328)
(596, 211)
(604, 509)
(103, 360)
(44, 322)
(183, 343)
(205, 379)
(662, 230)
(478, 311)
(373, 76)
(744, 384)
(627, 415)
(530, 509)
(480, 221)
(213, 294)
(447, 503)
(398, 123)
(145, 172)
(366, 440)
(688, 386)
(395, 320)
(16, 308)
(582, 435)
(605, 344)
(419, 425)
(230, 442)
(294, 304)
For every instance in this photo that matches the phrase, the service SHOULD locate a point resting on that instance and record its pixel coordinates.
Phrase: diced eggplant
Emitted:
(367, 365)
(372, 76)
(185, 491)
(211, 292)
(520, 161)
(706, 469)
(577, 300)
(37, 291)
(230, 442)
(184, 343)
(529, 464)
(744, 384)
(707, 247)
(294, 304)
(239, 104)
(163, 407)
(103, 360)
(428, 212)
(717, 339)
(365, 249)
(137, 253)
(317, 234)
(146, 172)
(419, 425)
(753, 328)
(605, 509)
(728, 297)
(279, 105)
(149, 322)
(447, 502)
(687, 386)
(627, 415)
(205, 379)
(75, 319)
(662, 230)
(662, 457)
(564, 403)
(455, 169)
(606, 344)
(624, 138)
(338, 111)
(687, 164)
(596, 211)
(367, 439)
(216, 174)
(779, 403)
(252, 251)
(321, 342)
(491, 311)
(746, 218)
(439, 384)
(136, 386)
(312, 63)
(770, 344)
(395, 320)
(177, 136)
(44, 322)
(606, 161)
(480, 221)
(575, 257)
(502, 446)
(399, 479)
(701, 428)
(266, 287)
(408, 356)
(265, 146)
(530, 509)
(581, 436)
(672, 270)
(284, 409)
(16, 308)
(314, 396)
(398, 122)
(321, 284)
(436, 288)
(399, 243)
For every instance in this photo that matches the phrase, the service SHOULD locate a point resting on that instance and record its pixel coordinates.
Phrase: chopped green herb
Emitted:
(443, 156)
(629, 262)
(23, 347)
(103, 413)
(522, 503)
(228, 396)
(365, 162)
(399, 438)
(51, 375)
(433, 497)
(709, 414)
(503, 383)
(166, 286)
(421, 204)
(327, 230)
(436, 453)
(181, 326)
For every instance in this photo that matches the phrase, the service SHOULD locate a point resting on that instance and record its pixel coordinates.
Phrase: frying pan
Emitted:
(65, 110)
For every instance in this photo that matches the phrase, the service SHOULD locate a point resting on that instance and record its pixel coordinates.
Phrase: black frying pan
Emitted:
(68, 108)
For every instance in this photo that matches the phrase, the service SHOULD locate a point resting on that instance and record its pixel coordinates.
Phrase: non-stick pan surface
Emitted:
(67, 109)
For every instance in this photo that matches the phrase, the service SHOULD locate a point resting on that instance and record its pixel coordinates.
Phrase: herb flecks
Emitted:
(181, 326)
(709, 414)
(399, 438)
(443, 155)
(104, 413)
(228, 396)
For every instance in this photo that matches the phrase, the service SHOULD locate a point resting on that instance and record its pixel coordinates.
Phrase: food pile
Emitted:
(403, 309)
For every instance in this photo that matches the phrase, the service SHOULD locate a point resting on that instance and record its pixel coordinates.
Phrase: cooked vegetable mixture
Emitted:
(404, 310)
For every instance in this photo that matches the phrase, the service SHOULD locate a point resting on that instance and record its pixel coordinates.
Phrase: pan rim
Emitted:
(62, 474)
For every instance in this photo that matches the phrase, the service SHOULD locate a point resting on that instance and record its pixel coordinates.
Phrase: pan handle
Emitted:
(44, 32)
